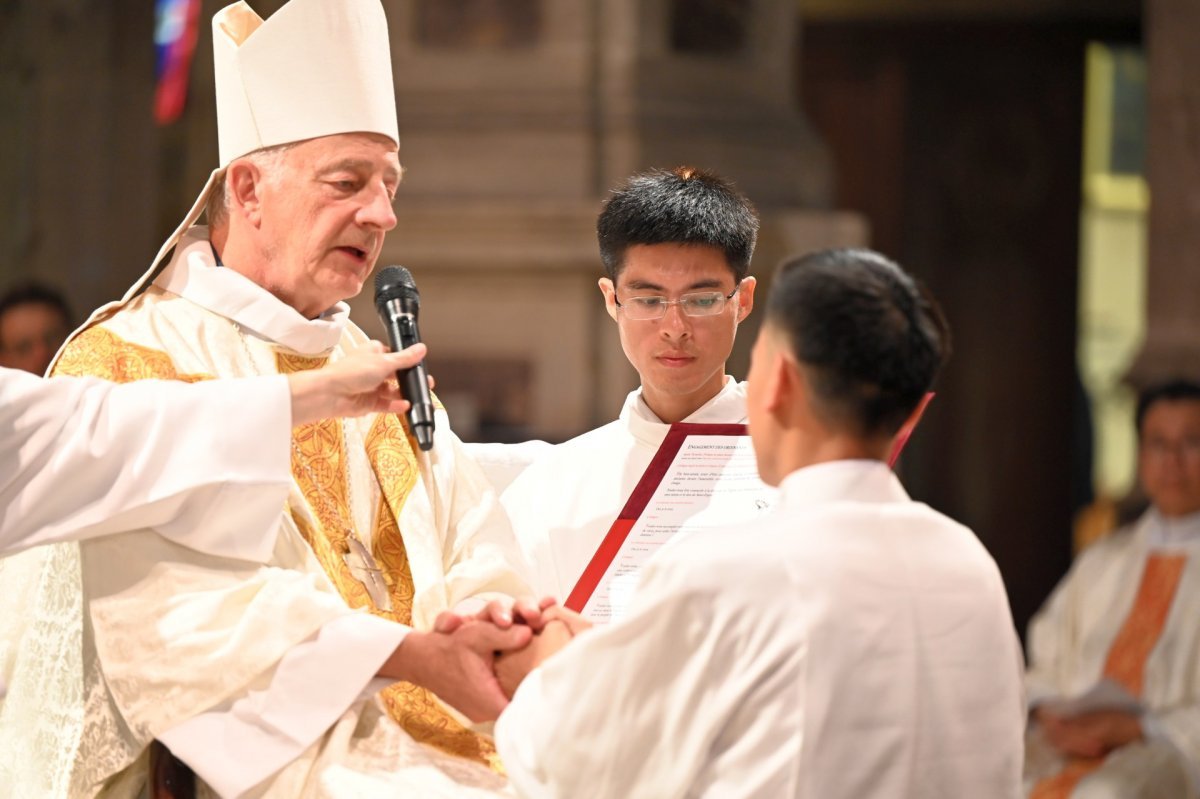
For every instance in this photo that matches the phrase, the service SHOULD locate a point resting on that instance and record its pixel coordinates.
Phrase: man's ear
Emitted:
(745, 297)
(769, 373)
(610, 296)
(245, 182)
(781, 386)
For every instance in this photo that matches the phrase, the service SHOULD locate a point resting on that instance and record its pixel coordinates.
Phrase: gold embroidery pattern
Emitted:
(318, 466)
(417, 710)
(290, 363)
(98, 352)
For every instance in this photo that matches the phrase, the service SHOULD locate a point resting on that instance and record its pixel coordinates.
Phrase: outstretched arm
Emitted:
(82, 458)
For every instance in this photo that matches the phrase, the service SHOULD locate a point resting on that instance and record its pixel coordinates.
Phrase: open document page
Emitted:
(703, 476)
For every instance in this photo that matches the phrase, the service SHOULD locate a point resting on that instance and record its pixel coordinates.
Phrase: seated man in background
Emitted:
(676, 248)
(34, 322)
(854, 644)
(1126, 614)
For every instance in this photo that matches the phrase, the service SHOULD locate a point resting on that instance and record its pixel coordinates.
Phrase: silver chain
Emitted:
(358, 557)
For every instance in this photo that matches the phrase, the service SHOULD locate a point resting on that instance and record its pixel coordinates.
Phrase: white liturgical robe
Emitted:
(563, 505)
(83, 458)
(1069, 643)
(504, 463)
(262, 676)
(852, 645)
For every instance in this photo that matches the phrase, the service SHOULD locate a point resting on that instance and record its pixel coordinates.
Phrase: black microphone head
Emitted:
(395, 282)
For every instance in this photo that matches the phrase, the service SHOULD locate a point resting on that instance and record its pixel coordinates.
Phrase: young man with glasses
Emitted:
(676, 247)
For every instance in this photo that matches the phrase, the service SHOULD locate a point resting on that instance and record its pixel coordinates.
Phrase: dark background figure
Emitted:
(34, 321)
(1125, 614)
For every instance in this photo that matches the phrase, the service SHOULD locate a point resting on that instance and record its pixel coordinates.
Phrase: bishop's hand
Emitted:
(458, 665)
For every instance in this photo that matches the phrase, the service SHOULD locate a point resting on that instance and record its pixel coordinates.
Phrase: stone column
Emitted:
(1172, 346)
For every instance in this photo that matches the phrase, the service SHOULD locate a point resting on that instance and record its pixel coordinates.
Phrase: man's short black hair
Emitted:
(679, 206)
(34, 293)
(869, 338)
(1162, 392)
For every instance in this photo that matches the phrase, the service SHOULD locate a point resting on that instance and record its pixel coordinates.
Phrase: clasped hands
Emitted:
(474, 662)
(1091, 734)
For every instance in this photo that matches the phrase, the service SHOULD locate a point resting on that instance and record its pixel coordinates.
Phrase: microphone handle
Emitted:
(414, 382)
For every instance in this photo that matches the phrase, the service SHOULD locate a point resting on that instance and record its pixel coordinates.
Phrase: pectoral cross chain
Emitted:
(364, 568)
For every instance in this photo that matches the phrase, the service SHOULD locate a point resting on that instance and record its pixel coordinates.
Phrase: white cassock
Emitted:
(564, 503)
(1069, 642)
(84, 458)
(852, 645)
(504, 463)
(262, 677)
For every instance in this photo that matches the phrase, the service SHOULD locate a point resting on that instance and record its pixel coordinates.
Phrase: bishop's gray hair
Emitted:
(269, 161)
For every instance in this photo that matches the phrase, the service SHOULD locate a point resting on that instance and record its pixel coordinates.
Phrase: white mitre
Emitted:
(314, 68)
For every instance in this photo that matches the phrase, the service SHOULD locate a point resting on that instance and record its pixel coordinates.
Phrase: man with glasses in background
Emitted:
(676, 247)
(1118, 638)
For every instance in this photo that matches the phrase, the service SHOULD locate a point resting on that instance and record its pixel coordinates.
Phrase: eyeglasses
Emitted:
(700, 303)
(1188, 448)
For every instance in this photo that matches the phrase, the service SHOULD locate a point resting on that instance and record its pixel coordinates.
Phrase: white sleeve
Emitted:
(206, 465)
(312, 686)
(630, 709)
(504, 463)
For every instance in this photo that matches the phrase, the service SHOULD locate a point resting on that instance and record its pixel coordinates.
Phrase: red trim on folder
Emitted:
(637, 502)
(649, 482)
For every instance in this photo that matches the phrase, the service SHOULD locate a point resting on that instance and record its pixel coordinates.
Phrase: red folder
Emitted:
(638, 500)
(658, 467)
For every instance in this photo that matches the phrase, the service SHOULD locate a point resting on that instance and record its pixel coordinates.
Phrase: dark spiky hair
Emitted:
(679, 206)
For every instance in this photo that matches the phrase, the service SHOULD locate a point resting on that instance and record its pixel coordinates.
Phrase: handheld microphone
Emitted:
(398, 303)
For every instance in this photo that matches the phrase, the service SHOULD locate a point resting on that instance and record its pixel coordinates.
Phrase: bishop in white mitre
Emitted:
(278, 679)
